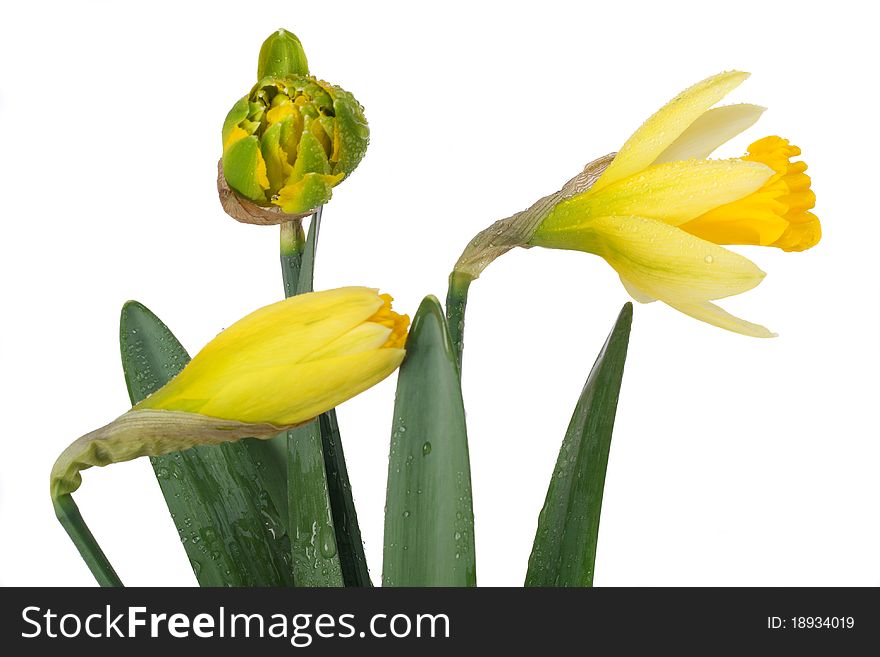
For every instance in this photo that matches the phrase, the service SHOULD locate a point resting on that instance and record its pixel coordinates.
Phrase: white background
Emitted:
(735, 461)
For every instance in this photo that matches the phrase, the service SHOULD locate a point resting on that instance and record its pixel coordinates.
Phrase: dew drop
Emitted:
(328, 542)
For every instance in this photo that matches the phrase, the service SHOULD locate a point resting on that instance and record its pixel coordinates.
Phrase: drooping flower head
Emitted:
(274, 369)
(658, 209)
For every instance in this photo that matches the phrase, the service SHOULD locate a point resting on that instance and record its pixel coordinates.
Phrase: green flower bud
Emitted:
(282, 54)
(289, 141)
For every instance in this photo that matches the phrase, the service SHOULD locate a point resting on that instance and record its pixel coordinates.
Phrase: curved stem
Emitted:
(70, 518)
(456, 304)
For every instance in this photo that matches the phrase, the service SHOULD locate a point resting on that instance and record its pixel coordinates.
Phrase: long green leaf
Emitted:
(217, 495)
(564, 551)
(348, 531)
(429, 520)
(312, 533)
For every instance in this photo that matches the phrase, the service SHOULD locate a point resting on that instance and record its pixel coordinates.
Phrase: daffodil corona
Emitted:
(276, 368)
(658, 210)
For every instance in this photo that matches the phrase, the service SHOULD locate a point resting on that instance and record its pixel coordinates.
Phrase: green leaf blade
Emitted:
(312, 532)
(564, 551)
(429, 522)
(229, 527)
(352, 559)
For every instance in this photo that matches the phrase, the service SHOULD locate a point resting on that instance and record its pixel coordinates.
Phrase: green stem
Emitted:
(456, 304)
(69, 516)
(293, 243)
(306, 274)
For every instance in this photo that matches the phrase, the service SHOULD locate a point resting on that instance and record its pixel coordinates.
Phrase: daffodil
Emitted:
(658, 210)
(276, 368)
(289, 141)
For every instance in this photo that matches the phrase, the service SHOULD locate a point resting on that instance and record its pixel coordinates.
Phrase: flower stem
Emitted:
(69, 516)
(456, 304)
(293, 242)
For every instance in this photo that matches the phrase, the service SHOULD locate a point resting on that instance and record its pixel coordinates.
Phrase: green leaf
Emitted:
(429, 520)
(564, 551)
(348, 533)
(217, 495)
(312, 533)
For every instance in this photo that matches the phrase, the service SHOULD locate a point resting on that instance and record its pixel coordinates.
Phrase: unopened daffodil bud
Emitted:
(282, 54)
(289, 141)
(658, 209)
(279, 367)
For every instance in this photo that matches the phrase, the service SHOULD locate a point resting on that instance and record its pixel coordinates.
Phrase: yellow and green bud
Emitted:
(293, 137)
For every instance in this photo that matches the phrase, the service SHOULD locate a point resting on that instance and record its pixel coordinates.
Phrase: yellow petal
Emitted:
(664, 262)
(291, 395)
(635, 292)
(235, 134)
(711, 130)
(280, 112)
(674, 192)
(665, 126)
(309, 321)
(365, 337)
(278, 335)
(712, 314)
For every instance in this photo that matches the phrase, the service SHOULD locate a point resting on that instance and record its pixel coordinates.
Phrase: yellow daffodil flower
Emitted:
(659, 210)
(289, 362)
(276, 368)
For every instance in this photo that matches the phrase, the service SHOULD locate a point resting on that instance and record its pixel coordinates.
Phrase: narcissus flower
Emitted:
(278, 367)
(293, 137)
(659, 211)
(289, 362)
